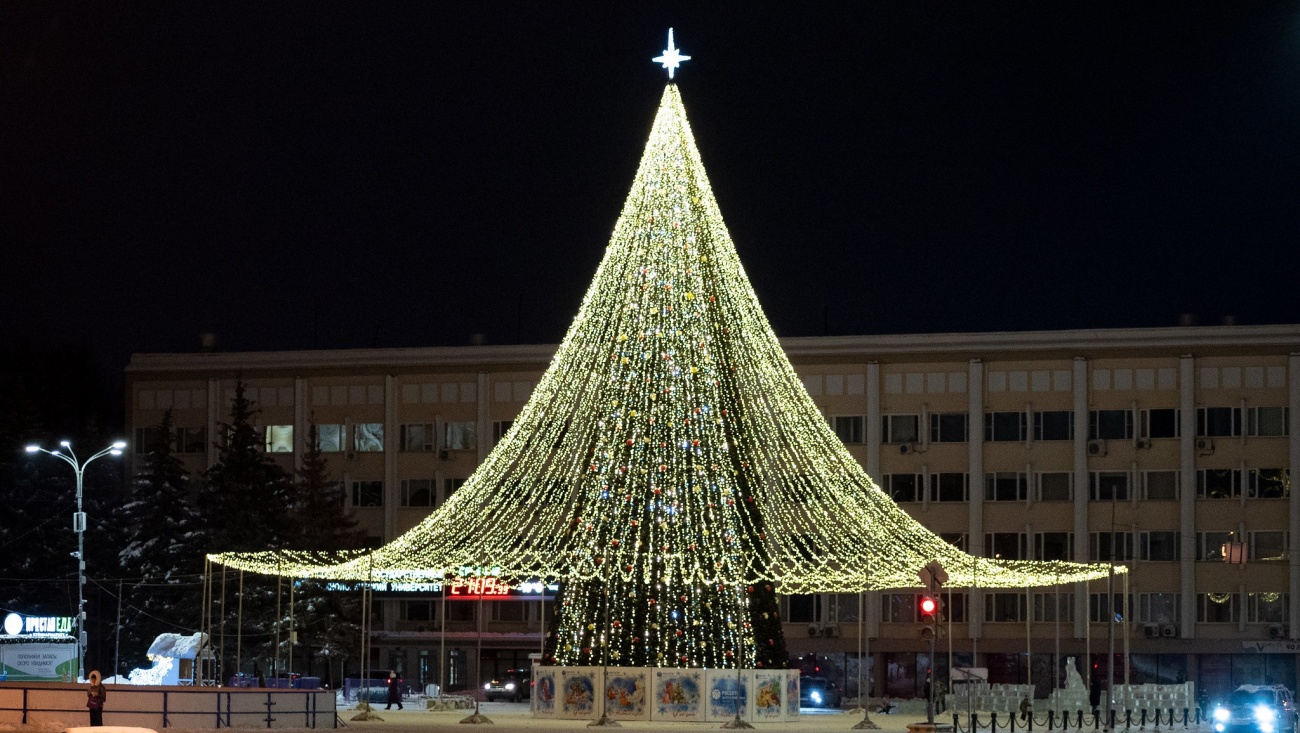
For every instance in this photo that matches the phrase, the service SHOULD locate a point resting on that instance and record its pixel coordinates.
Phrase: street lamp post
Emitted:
(79, 526)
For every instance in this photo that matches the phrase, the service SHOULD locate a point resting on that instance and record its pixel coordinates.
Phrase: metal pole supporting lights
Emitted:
(79, 526)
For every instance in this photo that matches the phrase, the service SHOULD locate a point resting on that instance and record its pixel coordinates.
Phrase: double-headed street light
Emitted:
(79, 526)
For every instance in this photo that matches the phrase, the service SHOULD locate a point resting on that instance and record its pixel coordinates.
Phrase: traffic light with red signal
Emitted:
(927, 610)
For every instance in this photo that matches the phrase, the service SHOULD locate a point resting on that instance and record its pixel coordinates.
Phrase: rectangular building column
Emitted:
(873, 423)
(1293, 464)
(1079, 387)
(300, 420)
(392, 493)
(484, 420)
(214, 414)
(975, 488)
(1187, 495)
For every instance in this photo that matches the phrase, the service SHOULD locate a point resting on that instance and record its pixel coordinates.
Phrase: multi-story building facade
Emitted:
(1165, 450)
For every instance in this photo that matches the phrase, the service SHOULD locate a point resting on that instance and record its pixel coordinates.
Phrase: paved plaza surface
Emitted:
(514, 718)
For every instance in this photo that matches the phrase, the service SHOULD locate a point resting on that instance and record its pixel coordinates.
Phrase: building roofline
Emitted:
(884, 347)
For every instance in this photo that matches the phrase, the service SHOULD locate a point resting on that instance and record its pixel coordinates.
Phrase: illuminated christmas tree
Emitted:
(670, 470)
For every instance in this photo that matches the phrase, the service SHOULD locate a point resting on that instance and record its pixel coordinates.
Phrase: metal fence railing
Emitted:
(170, 707)
(1078, 720)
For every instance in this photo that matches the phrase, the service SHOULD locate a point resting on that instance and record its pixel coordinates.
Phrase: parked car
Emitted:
(1257, 709)
(515, 685)
(819, 692)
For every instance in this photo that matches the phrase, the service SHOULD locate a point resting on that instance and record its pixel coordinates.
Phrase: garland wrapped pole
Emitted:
(671, 463)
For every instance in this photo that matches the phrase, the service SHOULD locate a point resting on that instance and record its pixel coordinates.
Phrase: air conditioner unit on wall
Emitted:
(1169, 631)
(1276, 631)
(350, 455)
(831, 631)
(1205, 446)
(1151, 631)
(813, 630)
(1096, 447)
(1143, 443)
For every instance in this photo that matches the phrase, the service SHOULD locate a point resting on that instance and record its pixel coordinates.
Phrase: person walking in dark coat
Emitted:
(96, 695)
(394, 690)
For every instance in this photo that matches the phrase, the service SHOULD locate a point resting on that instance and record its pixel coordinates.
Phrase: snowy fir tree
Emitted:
(246, 496)
(245, 502)
(670, 471)
(161, 555)
(327, 623)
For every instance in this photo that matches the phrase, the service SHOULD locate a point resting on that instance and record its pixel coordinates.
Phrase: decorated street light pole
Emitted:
(79, 526)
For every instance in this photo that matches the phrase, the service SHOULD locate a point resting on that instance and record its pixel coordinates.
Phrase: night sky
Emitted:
(340, 175)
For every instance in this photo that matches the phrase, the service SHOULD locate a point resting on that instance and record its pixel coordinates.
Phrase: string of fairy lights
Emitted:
(670, 447)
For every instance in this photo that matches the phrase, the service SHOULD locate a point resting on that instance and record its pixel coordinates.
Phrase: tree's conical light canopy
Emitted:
(670, 442)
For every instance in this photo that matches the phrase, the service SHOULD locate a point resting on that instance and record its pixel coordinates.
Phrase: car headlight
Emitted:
(487, 685)
(510, 685)
(1265, 714)
(1221, 714)
(815, 696)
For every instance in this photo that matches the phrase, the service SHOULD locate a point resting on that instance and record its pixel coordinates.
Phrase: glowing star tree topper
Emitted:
(672, 57)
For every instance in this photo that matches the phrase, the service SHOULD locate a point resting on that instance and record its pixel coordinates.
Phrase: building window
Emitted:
(1005, 545)
(1268, 421)
(1004, 607)
(279, 438)
(1159, 608)
(1212, 546)
(956, 539)
(1006, 487)
(461, 435)
(418, 438)
(900, 428)
(1053, 546)
(1054, 425)
(330, 438)
(948, 487)
(449, 486)
(948, 427)
(1110, 425)
(804, 608)
(368, 437)
(1160, 485)
(1270, 483)
(417, 492)
(953, 606)
(191, 440)
(1053, 607)
(849, 428)
(1109, 486)
(1269, 545)
(1098, 611)
(1160, 423)
(499, 430)
(1218, 422)
(367, 493)
(508, 610)
(1266, 608)
(897, 607)
(903, 486)
(1216, 608)
(1005, 427)
(1218, 483)
(1111, 546)
(1160, 546)
(418, 610)
(1055, 486)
